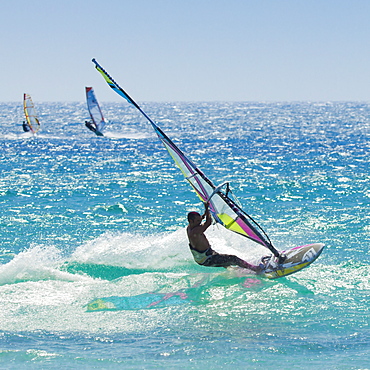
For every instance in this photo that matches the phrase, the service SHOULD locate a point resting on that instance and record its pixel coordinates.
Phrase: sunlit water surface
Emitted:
(95, 269)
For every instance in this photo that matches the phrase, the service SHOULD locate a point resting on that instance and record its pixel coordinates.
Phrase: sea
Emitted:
(95, 268)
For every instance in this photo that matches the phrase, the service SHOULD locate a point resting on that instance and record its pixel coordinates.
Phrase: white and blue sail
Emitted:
(97, 122)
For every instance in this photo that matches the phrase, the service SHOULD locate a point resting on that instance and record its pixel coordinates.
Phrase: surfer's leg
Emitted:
(239, 262)
(225, 260)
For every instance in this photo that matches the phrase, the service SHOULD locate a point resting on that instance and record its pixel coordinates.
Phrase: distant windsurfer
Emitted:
(201, 249)
(91, 126)
(26, 127)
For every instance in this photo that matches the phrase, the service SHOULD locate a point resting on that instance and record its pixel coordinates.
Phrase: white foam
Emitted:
(135, 250)
(35, 264)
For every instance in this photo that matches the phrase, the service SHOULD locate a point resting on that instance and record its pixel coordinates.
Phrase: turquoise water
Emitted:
(95, 269)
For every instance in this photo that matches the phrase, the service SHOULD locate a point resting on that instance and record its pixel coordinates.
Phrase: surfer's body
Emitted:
(26, 127)
(196, 230)
(91, 126)
(201, 249)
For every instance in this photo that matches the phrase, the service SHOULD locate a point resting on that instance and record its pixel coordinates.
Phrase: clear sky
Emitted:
(186, 50)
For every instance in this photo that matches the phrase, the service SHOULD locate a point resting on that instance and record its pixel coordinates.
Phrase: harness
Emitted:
(201, 257)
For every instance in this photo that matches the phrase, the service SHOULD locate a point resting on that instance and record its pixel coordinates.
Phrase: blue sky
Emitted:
(187, 50)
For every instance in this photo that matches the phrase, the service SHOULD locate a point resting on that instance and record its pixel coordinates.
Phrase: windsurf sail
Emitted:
(97, 122)
(223, 208)
(30, 112)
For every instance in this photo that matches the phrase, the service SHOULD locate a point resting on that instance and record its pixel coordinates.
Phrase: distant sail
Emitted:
(97, 122)
(223, 209)
(32, 123)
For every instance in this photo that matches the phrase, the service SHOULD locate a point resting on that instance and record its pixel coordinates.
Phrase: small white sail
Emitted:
(97, 122)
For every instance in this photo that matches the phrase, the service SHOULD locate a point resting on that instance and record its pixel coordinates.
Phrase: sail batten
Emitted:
(33, 122)
(223, 209)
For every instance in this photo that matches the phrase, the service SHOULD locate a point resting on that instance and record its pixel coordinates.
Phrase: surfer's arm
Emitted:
(208, 217)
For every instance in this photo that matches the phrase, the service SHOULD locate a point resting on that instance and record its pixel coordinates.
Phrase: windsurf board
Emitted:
(296, 259)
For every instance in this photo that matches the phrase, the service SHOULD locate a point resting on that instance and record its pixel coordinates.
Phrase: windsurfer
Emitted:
(201, 249)
(91, 126)
(26, 127)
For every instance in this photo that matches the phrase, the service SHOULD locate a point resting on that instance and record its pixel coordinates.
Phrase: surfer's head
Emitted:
(193, 216)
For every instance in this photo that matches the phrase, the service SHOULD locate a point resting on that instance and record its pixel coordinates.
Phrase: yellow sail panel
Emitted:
(231, 224)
